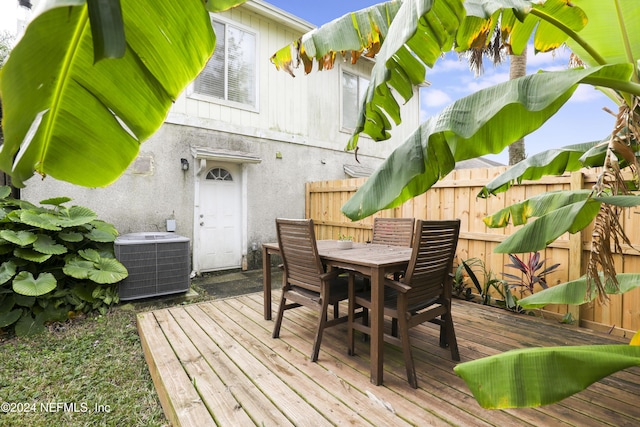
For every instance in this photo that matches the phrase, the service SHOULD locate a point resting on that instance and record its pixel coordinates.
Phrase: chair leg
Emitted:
(276, 327)
(406, 352)
(452, 342)
(322, 320)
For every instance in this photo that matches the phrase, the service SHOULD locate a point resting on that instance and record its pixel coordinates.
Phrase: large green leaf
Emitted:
(25, 284)
(472, 126)
(551, 162)
(612, 31)
(9, 317)
(222, 5)
(28, 326)
(107, 28)
(536, 235)
(75, 215)
(93, 267)
(107, 271)
(575, 291)
(46, 245)
(557, 212)
(536, 206)
(358, 32)
(77, 267)
(20, 238)
(31, 255)
(7, 271)
(540, 376)
(82, 121)
(55, 201)
(43, 220)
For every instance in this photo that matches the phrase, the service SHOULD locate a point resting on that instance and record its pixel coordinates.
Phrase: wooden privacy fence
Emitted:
(455, 197)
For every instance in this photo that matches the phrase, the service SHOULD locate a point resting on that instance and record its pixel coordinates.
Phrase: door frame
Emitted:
(202, 155)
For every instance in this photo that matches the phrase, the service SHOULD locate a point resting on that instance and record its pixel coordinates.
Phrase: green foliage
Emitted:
(532, 273)
(490, 281)
(460, 285)
(54, 261)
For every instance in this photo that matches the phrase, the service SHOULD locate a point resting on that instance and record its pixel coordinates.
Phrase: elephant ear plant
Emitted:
(55, 262)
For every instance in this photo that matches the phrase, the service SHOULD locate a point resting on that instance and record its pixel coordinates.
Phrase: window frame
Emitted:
(192, 94)
(360, 94)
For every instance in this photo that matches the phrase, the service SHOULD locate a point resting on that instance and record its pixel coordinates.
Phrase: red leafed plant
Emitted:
(531, 273)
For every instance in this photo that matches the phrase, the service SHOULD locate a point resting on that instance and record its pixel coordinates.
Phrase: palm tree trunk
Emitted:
(517, 68)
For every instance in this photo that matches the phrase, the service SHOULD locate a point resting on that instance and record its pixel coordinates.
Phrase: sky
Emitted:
(580, 120)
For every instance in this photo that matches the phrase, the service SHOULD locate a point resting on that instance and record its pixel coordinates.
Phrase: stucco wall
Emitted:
(154, 188)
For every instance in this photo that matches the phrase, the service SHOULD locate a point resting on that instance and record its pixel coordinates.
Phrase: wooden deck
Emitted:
(215, 363)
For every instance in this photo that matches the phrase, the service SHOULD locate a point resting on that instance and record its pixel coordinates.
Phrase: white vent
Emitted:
(158, 264)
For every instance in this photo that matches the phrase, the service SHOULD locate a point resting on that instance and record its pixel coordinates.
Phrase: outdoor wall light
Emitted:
(185, 164)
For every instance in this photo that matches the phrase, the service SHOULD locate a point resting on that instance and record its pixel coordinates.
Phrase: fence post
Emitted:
(575, 248)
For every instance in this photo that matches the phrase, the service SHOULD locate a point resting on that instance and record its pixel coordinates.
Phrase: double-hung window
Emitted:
(353, 89)
(230, 74)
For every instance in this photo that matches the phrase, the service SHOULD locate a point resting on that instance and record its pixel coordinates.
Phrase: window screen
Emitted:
(230, 73)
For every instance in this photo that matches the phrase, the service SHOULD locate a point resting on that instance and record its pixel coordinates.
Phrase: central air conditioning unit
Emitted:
(158, 264)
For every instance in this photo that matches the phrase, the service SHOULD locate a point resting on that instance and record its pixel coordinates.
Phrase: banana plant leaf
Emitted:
(475, 126)
(25, 284)
(575, 291)
(107, 28)
(471, 127)
(557, 212)
(541, 376)
(551, 162)
(358, 32)
(536, 206)
(60, 106)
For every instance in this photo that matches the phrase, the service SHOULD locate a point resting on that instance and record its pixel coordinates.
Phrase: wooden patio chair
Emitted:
(424, 294)
(304, 281)
(393, 231)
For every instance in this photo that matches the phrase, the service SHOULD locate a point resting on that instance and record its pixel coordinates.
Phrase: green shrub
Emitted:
(55, 262)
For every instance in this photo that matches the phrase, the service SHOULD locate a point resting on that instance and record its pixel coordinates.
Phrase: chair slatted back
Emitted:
(393, 231)
(434, 248)
(297, 241)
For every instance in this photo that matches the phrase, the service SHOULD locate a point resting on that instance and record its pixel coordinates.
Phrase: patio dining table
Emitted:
(372, 260)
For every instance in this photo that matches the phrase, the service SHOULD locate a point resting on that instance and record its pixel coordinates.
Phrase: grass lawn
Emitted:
(84, 372)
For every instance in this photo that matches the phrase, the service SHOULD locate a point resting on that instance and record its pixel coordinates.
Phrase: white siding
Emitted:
(303, 110)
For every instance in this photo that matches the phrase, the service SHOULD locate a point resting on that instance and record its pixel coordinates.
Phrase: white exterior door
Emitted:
(219, 222)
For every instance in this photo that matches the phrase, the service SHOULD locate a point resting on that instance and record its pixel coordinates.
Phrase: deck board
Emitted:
(215, 363)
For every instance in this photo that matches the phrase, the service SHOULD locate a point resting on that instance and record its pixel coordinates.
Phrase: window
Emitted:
(353, 89)
(230, 74)
(219, 174)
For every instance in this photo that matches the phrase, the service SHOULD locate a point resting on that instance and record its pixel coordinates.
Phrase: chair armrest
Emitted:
(398, 286)
(332, 274)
